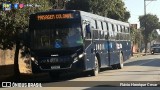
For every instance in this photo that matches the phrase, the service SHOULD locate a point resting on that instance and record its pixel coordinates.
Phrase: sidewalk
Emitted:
(139, 54)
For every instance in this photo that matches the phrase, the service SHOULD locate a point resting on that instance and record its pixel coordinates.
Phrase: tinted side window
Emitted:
(95, 31)
(110, 30)
(106, 33)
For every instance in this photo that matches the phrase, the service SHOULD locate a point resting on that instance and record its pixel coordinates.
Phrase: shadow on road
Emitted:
(149, 62)
(41, 78)
(7, 72)
(122, 88)
(6, 69)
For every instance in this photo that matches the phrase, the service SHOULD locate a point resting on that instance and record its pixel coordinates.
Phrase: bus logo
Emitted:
(6, 6)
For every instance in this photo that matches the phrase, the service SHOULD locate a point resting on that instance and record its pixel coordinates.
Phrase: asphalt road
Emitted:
(137, 72)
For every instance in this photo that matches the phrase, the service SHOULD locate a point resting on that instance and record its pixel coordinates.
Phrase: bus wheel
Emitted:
(114, 66)
(96, 69)
(54, 75)
(120, 65)
(152, 52)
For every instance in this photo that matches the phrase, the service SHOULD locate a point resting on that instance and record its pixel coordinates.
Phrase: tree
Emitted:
(57, 4)
(14, 23)
(153, 36)
(114, 9)
(78, 5)
(136, 37)
(117, 10)
(149, 22)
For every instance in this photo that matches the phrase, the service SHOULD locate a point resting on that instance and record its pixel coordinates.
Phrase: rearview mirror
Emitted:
(88, 29)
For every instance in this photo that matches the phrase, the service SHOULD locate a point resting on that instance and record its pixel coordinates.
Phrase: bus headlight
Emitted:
(81, 55)
(32, 58)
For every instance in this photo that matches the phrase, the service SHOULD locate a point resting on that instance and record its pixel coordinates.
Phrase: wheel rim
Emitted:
(96, 70)
(121, 61)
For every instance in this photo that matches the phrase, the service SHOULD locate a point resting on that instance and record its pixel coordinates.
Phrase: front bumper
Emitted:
(63, 64)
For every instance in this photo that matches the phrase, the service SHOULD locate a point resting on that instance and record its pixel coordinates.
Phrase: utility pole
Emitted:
(145, 37)
(146, 5)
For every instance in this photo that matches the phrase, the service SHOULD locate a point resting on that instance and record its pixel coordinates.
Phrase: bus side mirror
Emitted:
(88, 30)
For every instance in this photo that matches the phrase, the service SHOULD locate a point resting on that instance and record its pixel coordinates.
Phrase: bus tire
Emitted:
(96, 69)
(121, 59)
(114, 66)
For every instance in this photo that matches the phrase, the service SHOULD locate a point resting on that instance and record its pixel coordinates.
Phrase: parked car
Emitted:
(155, 48)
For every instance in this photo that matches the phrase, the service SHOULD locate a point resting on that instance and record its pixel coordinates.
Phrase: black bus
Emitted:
(72, 40)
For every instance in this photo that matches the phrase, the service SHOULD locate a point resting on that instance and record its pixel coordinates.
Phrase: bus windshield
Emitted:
(61, 37)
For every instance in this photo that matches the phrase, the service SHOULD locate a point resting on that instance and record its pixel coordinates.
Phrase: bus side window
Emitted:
(128, 36)
(126, 32)
(118, 32)
(95, 33)
(106, 31)
(122, 33)
(110, 31)
(115, 31)
(102, 31)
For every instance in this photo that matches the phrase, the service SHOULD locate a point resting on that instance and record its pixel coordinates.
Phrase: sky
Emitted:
(136, 8)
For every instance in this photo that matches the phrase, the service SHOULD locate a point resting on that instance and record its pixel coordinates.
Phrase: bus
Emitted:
(73, 40)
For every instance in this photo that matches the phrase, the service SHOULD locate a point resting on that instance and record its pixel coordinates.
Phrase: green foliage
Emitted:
(149, 21)
(136, 36)
(6, 31)
(15, 22)
(58, 4)
(153, 36)
(114, 9)
(78, 5)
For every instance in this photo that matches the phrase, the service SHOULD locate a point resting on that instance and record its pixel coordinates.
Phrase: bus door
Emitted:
(104, 45)
(105, 62)
(89, 47)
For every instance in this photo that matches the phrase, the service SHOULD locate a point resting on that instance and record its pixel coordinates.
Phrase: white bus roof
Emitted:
(101, 18)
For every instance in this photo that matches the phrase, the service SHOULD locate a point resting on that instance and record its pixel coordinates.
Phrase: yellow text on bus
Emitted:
(54, 16)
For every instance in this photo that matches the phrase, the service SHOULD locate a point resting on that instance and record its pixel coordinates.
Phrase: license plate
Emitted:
(55, 67)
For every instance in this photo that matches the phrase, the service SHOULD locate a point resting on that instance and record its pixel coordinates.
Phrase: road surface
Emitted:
(140, 71)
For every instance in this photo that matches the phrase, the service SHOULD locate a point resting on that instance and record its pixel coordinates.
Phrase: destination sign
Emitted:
(54, 16)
